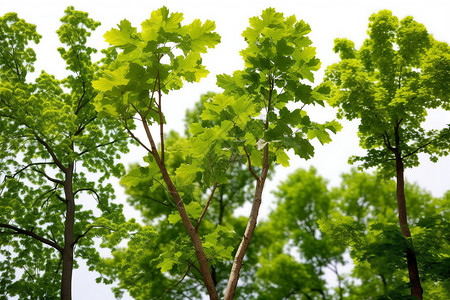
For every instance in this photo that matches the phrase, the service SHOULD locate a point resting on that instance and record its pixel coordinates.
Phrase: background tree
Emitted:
(294, 259)
(55, 155)
(365, 220)
(389, 83)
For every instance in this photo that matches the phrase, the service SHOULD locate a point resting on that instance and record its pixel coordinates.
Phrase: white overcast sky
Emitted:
(328, 19)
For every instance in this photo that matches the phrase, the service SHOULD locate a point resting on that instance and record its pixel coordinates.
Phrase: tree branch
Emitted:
(387, 141)
(81, 236)
(136, 138)
(54, 180)
(161, 121)
(33, 235)
(82, 127)
(250, 164)
(417, 149)
(96, 147)
(32, 164)
(52, 154)
(206, 206)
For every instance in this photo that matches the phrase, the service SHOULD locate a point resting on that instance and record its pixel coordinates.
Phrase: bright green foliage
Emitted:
(278, 60)
(138, 267)
(365, 221)
(51, 146)
(301, 200)
(161, 56)
(389, 83)
(248, 124)
(290, 255)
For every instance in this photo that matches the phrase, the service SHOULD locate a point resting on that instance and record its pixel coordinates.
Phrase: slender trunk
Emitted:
(199, 252)
(67, 253)
(339, 279)
(221, 206)
(414, 279)
(239, 257)
(192, 231)
(385, 290)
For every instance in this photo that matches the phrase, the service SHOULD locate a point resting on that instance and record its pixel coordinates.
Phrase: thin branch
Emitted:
(387, 142)
(151, 99)
(53, 190)
(59, 265)
(177, 283)
(96, 147)
(136, 138)
(81, 236)
(206, 206)
(26, 271)
(87, 231)
(63, 200)
(417, 149)
(250, 164)
(87, 189)
(82, 127)
(52, 154)
(54, 180)
(161, 122)
(158, 201)
(32, 164)
(79, 106)
(33, 235)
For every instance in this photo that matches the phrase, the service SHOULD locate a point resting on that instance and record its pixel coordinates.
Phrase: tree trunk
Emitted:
(192, 231)
(67, 253)
(240, 253)
(414, 279)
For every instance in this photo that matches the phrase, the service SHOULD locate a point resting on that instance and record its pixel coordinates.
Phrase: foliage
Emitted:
(365, 222)
(398, 74)
(250, 122)
(389, 83)
(55, 156)
(61, 140)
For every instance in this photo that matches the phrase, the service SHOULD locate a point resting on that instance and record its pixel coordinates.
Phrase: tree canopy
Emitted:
(398, 74)
(62, 140)
(56, 156)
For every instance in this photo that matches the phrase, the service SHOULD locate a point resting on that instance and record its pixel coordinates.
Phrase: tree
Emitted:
(255, 128)
(388, 84)
(293, 261)
(356, 218)
(55, 155)
(364, 220)
(156, 205)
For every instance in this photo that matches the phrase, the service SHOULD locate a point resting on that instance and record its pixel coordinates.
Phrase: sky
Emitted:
(328, 19)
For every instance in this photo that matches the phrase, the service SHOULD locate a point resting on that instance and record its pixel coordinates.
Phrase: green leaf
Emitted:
(174, 218)
(111, 79)
(166, 265)
(121, 36)
(282, 158)
(194, 209)
(186, 174)
(201, 36)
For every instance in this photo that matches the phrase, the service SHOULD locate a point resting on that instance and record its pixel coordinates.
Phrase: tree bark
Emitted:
(67, 253)
(414, 279)
(239, 257)
(192, 231)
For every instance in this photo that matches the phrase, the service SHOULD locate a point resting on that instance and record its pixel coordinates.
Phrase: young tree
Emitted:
(253, 123)
(388, 84)
(52, 145)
